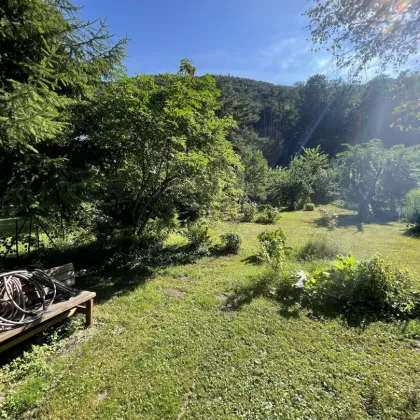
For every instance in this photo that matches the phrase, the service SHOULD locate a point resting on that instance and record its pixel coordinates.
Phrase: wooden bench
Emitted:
(82, 303)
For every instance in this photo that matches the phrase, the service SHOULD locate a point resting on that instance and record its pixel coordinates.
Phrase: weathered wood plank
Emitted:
(55, 310)
(63, 273)
(30, 333)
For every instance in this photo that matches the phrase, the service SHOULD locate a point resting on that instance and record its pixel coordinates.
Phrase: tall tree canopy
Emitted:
(375, 179)
(162, 148)
(50, 61)
(279, 120)
(360, 33)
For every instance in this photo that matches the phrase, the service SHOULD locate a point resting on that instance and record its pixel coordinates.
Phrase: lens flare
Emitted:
(397, 17)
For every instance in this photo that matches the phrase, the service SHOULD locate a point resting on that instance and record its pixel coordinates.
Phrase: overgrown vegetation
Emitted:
(411, 207)
(269, 215)
(321, 247)
(355, 290)
(230, 243)
(273, 248)
(113, 155)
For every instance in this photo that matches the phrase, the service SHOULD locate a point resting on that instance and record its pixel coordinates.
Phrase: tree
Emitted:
(363, 32)
(50, 61)
(293, 186)
(375, 178)
(163, 148)
(411, 207)
(257, 175)
(406, 114)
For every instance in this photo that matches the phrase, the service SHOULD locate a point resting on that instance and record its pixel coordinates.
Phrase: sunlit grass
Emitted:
(168, 349)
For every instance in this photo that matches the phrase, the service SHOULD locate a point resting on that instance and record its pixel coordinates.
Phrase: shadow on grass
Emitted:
(108, 272)
(352, 220)
(252, 259)
(119, 279)
(113, 270)
(413, 232)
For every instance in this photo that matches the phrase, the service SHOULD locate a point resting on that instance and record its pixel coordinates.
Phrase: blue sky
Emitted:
(258, 39)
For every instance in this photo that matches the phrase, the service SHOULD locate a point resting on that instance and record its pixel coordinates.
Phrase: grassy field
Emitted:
(168, 346)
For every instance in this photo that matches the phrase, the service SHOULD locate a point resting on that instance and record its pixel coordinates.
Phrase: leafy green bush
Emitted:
(309, 207)
(273, 248)
(411, 206)
(320, 247)
(198, 235)
(249, 211)
(269, 216)
(329, 218)
(231, 243)
(370, 287)
(357, 290)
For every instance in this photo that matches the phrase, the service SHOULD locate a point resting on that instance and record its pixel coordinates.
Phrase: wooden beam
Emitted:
(89, 313)
(30, 333)
(55, 310)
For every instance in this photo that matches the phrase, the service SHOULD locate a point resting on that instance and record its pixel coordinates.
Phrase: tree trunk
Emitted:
(365, 213)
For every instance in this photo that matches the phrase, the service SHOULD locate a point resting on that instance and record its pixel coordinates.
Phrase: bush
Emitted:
(411, 207)
(269, 216)
(359, 291)
(329, 218)
(369, 287)
(309, 207)
(231, 243)
(273, 248)
(198, 235)
(320, 247)
(249, 211)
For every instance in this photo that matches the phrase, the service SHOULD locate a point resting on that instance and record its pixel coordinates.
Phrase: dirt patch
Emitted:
(101, 396)
(223, 297)
(79, 337)
(230, 308)
(176, 293)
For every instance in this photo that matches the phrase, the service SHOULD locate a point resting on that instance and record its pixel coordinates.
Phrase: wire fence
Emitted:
(21, 236)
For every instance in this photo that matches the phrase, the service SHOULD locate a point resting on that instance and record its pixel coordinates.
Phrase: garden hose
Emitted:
(17, 309)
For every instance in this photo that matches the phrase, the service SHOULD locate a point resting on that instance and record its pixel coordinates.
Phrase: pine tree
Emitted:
(50, 61)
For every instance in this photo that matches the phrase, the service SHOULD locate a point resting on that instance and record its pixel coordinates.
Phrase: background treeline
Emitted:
(327, 139)
(279, 120)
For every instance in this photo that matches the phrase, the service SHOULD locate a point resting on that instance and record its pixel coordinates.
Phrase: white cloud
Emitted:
(323, 62)
(283, 54)
(291, 58)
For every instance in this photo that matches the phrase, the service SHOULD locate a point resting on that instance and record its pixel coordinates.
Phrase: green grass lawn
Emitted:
(167, 347)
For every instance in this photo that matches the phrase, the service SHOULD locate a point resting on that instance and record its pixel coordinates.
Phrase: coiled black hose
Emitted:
(16, 309)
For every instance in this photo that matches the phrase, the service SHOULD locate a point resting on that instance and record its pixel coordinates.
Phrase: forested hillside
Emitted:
(279, 120)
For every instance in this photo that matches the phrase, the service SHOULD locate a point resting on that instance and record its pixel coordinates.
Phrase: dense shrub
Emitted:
(273, 248)
(319, 247)
(198, 235)
(249, 211)
(411, 207)
(230, 243)
(309, 207)
(356, 290)
(370, 287)
(329, 218)
(269, 216)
